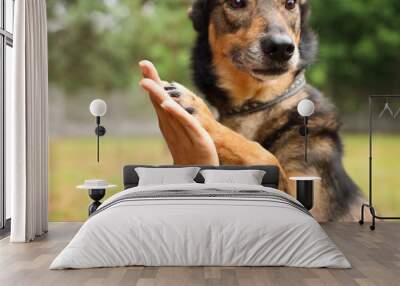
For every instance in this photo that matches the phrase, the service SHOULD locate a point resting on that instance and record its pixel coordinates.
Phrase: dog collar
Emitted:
(256, 106)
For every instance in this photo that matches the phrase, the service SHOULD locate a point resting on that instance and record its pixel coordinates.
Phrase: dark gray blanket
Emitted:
(204, 194)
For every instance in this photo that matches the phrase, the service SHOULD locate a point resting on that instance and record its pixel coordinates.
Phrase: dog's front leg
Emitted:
(235, 149)
(232, 147)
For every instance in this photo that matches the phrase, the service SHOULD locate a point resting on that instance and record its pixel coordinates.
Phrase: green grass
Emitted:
(73, 160)
(386, 176)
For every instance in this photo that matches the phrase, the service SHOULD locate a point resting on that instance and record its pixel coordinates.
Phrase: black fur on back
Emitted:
(342, 190)
(203, 72)
(309, 40)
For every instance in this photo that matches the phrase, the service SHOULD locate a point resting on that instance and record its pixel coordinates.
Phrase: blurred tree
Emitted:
(359, 49)
(97, 44)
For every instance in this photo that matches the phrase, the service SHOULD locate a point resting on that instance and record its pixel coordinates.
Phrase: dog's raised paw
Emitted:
(193, 104)
(183, 98)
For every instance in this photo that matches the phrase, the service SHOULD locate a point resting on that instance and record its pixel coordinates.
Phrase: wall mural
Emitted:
(226, 87)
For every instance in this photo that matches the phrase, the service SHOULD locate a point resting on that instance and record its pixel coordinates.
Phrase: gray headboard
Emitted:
(271, 178)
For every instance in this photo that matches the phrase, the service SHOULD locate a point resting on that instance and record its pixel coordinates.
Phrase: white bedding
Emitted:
(200, 231)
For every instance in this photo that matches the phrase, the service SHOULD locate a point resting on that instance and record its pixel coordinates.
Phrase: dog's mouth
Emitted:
(273, 71)
(257, 65)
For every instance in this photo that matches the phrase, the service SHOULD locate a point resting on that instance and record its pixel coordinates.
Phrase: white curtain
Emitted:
(27, 123)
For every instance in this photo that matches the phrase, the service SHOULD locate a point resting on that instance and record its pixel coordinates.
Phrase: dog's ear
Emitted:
(199, 14)
(309, 41)
(305, 11)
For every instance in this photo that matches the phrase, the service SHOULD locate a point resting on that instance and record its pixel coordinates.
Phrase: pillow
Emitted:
(166, 176)
(243, 177)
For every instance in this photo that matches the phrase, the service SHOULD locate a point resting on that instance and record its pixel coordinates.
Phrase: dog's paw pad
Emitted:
(190, 110)
(174, 93)
(169, 88)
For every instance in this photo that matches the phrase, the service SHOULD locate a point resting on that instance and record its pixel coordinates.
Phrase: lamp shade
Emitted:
(306, 108)
(98, 107)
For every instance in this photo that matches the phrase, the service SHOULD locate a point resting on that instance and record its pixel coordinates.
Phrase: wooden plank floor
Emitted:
(375, 257)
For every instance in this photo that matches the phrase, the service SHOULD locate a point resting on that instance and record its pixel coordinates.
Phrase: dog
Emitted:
(249, 60)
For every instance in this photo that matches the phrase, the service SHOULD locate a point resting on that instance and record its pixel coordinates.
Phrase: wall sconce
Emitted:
(305, 185)
(305, 108)
(98, 109)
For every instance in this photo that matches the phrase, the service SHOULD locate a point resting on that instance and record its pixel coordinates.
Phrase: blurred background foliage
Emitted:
(359, 50)
(97, 44)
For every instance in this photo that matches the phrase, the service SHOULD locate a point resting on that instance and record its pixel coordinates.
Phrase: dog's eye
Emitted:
(237, 4)
(290, 4)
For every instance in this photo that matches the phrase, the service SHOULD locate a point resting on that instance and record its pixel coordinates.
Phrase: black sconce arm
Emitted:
(100, 131)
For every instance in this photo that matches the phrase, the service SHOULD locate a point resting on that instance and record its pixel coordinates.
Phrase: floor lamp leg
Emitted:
(361, 221)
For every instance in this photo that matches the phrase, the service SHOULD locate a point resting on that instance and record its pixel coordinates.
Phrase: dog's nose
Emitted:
(278, 47)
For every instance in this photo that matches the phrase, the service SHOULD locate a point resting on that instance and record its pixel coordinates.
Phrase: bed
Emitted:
(198, 224)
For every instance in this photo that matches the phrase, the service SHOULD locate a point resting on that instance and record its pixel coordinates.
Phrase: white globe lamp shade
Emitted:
(306, 108)
(98, 108)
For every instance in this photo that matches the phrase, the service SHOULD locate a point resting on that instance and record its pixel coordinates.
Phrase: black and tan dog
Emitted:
(249, 60)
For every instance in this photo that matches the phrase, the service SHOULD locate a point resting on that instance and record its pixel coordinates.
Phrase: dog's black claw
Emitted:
(174, 93)
(190, 110)
(169, 87)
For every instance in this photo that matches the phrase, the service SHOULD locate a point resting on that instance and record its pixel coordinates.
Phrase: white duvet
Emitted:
(200, 231)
